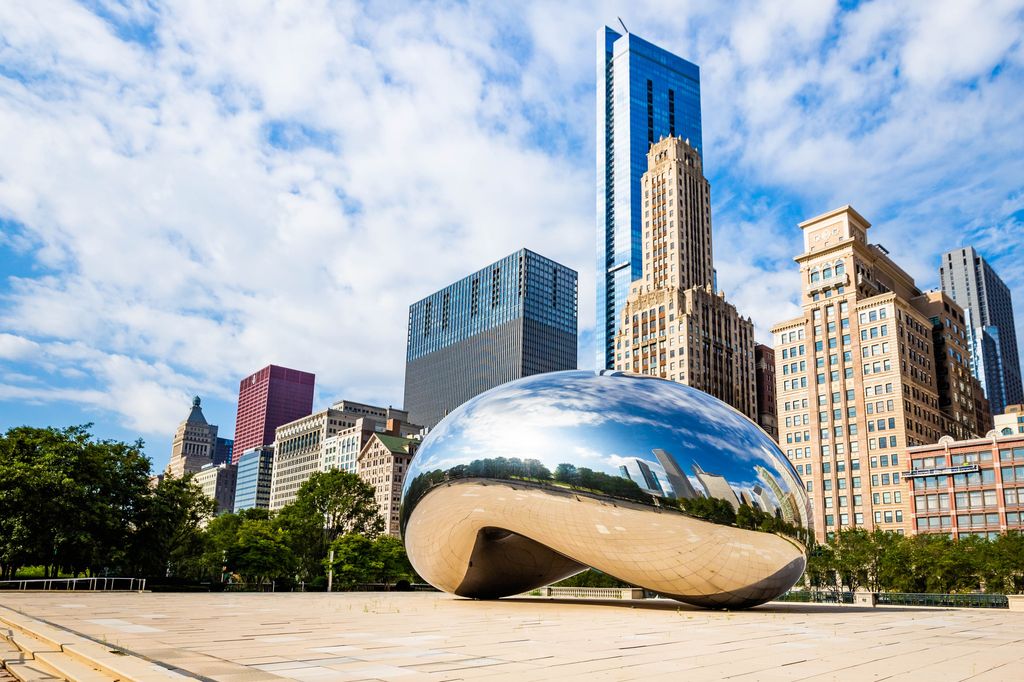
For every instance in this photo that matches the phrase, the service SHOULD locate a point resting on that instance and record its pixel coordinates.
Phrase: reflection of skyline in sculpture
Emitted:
(763, 501)
(651, 481)
(681, 485)
(539, 478)
(787, 501)
(716, 486)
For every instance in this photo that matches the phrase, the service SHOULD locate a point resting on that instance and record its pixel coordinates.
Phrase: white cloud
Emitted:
(16, 347)
(178, 248)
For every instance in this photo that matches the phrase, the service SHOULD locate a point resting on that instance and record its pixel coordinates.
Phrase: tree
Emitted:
(168, 527)
(821, 569)
(260, 552)
(67, 501)
(393, 561)
(358, 560)
(327, 506)
(355, 562)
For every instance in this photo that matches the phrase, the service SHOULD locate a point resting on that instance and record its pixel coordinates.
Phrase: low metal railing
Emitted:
(817, 597)
(591, 592)
(967, 600)
(76, 584)
(970, 600)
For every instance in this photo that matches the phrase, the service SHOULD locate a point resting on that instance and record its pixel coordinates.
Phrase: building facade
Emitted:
(764, 375)
(514, 318)
(856, 377)
(383, 463)
(644, 93)
(968, 487)
(952, 366)
(222, 449)
(342, 450)
(1011, 421)
(255, 470)
(969, 280)
(218, 483)
(267, 399)
(673, 324)
(310, 444)
(982, 411)
(194, 443)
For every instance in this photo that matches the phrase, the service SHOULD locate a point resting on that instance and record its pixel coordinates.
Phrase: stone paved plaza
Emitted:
(429, 636)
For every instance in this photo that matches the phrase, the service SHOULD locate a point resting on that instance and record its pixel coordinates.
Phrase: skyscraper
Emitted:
(267, 399)
(858, 376)
(644, 93)
(673, 324)
(764, 368)
(194, 443)
(969, 280)
(514, 318)
(253, 478)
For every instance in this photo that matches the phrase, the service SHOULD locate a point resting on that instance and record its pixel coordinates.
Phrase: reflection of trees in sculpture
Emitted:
(710, 509)
(588, 479)
(713, 509)
(514, 468)
(721, 511)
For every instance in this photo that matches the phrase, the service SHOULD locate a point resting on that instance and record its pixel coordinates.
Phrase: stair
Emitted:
(31, 650)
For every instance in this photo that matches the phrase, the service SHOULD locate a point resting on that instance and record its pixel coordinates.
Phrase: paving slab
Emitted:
(427, 636)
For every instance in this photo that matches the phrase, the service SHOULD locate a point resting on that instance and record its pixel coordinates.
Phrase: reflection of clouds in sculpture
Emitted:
(617, 437)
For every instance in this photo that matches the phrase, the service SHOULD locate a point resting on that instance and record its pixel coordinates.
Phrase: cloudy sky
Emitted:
(192, 190)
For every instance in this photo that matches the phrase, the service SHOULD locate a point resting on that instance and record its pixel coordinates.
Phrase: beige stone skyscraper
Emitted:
(193, 443)
(674, 325)
(857, 376)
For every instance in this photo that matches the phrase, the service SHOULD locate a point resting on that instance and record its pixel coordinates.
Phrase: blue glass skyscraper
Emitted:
(512, 319)
(969, 280)
(644, 93)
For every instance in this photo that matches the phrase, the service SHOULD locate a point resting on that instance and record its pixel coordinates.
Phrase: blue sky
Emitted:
(189, 191)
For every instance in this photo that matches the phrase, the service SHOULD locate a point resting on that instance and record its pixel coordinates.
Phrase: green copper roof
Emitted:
(395, 444)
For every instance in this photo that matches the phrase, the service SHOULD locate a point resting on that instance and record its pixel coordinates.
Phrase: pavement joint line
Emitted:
(112, 648)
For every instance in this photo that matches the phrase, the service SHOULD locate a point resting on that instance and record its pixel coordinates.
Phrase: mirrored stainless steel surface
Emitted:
(650, 481)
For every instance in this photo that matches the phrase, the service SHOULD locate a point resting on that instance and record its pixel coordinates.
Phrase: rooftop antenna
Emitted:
(623, 24)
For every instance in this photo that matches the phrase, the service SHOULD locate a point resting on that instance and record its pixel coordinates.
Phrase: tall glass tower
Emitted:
(644, 93)
(969, 280)
(514, 318)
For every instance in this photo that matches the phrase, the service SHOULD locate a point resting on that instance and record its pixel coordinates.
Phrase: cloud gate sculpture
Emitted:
(650, 481)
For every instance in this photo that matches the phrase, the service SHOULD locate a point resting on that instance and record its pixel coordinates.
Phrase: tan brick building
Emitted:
(321, 441)
(218, 483)
(674, 325)
(383, 463)
(857, 377)
(764, 373)
(193, 444)
(952, 365)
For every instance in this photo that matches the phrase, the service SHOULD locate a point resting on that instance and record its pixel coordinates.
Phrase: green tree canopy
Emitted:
(67, 501)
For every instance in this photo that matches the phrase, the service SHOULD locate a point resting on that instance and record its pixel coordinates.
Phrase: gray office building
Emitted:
(970, 281)
(514, 318)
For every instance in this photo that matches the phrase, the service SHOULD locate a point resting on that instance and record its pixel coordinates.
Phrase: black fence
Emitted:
(973, 601)
(968, 600)
(817, 597)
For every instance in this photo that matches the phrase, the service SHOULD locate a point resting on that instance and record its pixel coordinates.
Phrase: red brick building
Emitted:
(267, 399)
(967, 487)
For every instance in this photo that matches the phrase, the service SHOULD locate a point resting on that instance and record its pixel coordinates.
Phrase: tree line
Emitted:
(75, 505)
(881, 561)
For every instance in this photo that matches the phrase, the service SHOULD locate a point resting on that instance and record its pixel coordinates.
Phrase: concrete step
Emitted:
(66, 655)
(28, 671)
(68, 668)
